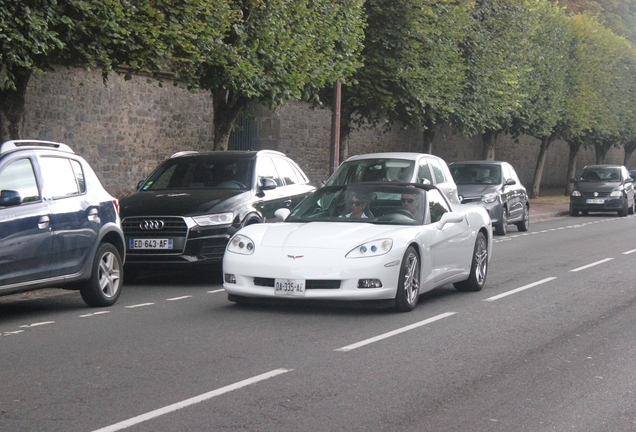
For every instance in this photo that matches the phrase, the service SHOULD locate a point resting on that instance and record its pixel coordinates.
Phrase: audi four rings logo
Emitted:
(151, 225)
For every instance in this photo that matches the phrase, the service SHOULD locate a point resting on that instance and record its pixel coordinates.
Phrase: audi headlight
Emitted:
(371, 249)
(489, 198)
(214, 219)
(241, 244)
(576, 193)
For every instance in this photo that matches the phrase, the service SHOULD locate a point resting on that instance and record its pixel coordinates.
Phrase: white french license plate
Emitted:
(289, 287)
(150, 243)
(595, 201)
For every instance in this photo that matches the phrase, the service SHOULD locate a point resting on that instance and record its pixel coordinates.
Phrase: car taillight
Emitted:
(116, 204)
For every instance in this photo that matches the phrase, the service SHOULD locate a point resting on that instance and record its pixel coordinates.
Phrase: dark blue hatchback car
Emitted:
(59, 228)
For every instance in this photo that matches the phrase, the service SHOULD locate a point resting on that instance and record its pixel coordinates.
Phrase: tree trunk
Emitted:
(428, 135)
(227, 107)
(345, 133)
(574, 152)
(538, 172)
(601, 150)
(12, 107)
(489, 138)
(629, 148)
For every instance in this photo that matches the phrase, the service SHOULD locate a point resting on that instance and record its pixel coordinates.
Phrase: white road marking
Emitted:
(629, 251)
(13, 332)
(514, 291)
(592, 265)
(395, 332)
(94, 313)
(179, 298)
(197, 399)
(138, 305)
(216, 291)
(37, 324)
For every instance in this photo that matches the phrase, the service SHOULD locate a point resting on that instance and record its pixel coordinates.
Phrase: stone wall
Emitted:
(126, 128)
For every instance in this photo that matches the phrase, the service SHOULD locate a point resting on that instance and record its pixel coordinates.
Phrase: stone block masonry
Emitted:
(126, 128)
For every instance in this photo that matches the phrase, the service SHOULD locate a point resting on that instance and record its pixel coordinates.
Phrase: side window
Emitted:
(506, 171)
(19, 176)
(302, 178)
(59, 177)
(424, 172)
(438, 172)
(79, 176)
(436, 204)
(286, 172)
(266, 169)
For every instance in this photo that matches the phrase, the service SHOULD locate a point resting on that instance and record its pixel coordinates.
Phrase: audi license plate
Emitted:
(150, 244)
(289, 287)
(595, 201)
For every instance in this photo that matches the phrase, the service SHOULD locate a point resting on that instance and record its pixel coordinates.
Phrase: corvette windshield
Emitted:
(374, 203)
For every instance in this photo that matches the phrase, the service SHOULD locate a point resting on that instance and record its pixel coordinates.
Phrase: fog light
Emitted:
(230, 278)
(369, 283)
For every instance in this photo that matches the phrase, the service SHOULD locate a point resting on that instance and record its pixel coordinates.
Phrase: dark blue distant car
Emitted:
(59, 228)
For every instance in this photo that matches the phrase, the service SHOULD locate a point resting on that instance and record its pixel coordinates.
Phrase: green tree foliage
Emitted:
(279, 50)
(139, 35)
(550, 38)
(413, 71)
(596, 90)
(497, 53)
(617, 15)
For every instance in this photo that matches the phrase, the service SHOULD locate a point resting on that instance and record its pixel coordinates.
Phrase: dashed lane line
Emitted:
(523, 288)
(394, 332)
(592, 264)
(195, 400)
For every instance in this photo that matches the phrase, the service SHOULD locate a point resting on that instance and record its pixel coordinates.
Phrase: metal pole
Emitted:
(335, 128)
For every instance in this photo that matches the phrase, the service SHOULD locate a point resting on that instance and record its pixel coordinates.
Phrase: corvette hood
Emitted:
(181, 202)
(322, 235)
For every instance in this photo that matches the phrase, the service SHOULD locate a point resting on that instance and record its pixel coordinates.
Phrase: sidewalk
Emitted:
(550, 204)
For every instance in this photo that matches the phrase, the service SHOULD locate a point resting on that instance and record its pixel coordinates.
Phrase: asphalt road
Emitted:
(547, 345)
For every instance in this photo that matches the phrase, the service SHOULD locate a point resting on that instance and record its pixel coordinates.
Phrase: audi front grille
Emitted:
(149, 227)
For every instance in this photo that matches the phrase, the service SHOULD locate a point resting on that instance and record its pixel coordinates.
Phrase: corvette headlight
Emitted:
(576, 193)
(371, 249)
(241, 244)
(214, 219)
(489, 198)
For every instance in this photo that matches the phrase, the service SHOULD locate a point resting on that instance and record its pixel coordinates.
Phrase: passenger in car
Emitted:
(360, 206)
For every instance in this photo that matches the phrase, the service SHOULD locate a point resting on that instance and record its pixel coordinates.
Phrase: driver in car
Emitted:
(411, 203)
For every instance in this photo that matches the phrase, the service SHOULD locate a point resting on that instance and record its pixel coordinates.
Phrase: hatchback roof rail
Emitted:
(184, 152)
(33, 144)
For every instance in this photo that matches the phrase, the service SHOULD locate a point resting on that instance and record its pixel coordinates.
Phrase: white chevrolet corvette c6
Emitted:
(378, 243)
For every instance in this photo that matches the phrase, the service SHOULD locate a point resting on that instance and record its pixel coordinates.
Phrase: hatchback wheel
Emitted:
(104, 286)
(502, 227)
(525, 222)
(623, 212)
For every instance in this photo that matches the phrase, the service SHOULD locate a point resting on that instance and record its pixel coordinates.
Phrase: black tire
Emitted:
(502, 227)
(408, 288)
(478, 268)
(573, 212)
(104, 286)
(524, 225)
(623, 212)
(632, 207)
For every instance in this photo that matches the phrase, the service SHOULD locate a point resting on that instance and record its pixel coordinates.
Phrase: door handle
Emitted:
(44, 222)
